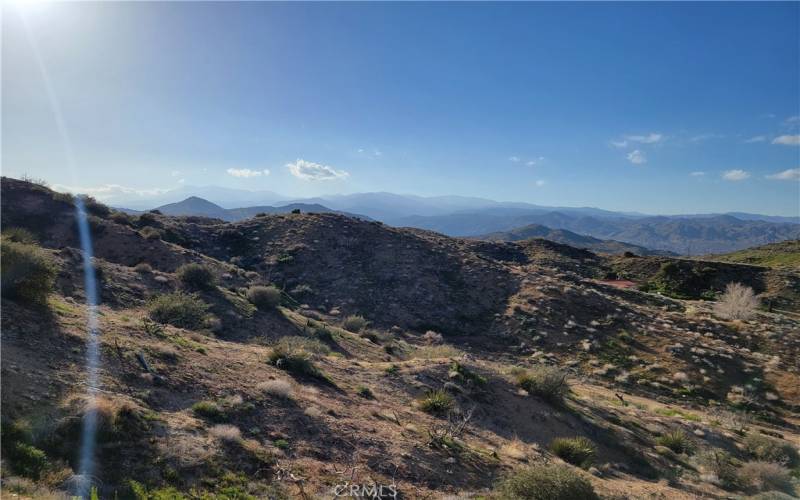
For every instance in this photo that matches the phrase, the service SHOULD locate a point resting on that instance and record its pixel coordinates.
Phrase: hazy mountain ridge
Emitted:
(571, 239)
(469, 217)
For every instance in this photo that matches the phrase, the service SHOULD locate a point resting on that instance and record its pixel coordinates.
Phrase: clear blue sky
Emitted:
(657, 107)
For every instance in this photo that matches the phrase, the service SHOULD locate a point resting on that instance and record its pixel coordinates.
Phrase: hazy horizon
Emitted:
(652, 108)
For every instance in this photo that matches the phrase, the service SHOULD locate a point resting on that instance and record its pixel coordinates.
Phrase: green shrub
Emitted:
(354, 323)
(19, 235)
(547, 382)
(677, 441)
(365, 392)
(459, 371)
(150, 233)
(196, 276)
(722, 465)
(26, 460)
(767, 449)
(28, 273)
(209, 410)
(264, 297)
(294, 355)
(94, 207)
(576, 451)
(178, 309)
(281, 444)
(546, 482)
(436, 402)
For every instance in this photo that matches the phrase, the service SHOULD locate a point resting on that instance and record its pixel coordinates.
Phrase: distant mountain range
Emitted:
(196, 206)
(692, 234)
(570, 238)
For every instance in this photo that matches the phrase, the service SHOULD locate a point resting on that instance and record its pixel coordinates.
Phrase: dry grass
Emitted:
(226, 432)
(436, 352)
(277, 388)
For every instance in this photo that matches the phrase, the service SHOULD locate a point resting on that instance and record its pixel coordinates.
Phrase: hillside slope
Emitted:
(437, 395)
(782, 255)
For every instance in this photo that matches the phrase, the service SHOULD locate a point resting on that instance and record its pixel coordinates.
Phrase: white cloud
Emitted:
(787, 140)
(175, 173)
(651, 138)
(758, 138)
(793, 119)
(791, 174)
(108, 191)
(310, 171)
(637, 157)
(515, 159)
(535, 161)
(540, 183)
(735, 175)
(697, 174)
(246, 172)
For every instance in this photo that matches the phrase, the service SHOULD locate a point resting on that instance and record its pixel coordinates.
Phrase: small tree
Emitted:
(738, 302)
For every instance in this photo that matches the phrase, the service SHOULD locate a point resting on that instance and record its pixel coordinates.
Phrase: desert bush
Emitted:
(547, 382)
(546, 482)
(277, 388)
(19, 235)
(431, 337)
(766, 476)
(767, 449)
(143, 268)
(94, 207)
(150, 233)
(436, 402)
(264, 297)
(209, 410)
(354, 323)
(576, 451)
(461, 372)
(294, 355)
(677, 441)
(28, 273)
(226, 432)
(121, 218)
(196, 276)
(738, 302)
(178, 309)
(722, 468)
(365, 392)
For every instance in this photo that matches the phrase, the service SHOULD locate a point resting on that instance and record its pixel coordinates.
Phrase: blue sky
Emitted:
(657, 107)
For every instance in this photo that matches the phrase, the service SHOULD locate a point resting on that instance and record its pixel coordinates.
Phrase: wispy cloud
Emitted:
(637, 157)
(787, 140)
(514, 159)
(792, 119)
(540, 183)
(697, 174)
(735, 175)
(790, 174)
(629, 140)
(757, 138)
(310, 171)
(372, 154)
(108, 191)
(705, 137)
(246, 172)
